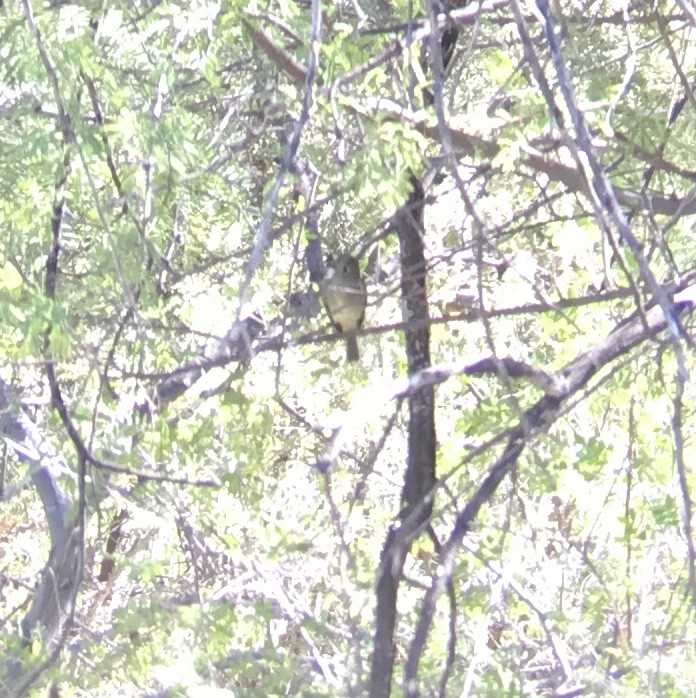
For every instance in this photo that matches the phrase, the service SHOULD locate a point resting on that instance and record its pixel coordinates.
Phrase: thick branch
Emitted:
(538, 419)
(419, 479)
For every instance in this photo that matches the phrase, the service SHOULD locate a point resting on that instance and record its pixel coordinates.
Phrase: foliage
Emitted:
(143, 149)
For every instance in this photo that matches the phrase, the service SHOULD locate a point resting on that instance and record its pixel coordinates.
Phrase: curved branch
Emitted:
(538, 419)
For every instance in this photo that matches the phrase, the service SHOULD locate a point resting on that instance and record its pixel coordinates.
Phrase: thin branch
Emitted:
(263, 238)
(682, 472)
(604, 199)
(147, 476)
(537, 419)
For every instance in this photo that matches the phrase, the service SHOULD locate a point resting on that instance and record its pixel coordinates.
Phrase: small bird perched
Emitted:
(345, 297)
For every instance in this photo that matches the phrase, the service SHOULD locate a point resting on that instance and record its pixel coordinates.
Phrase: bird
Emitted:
(344, 296)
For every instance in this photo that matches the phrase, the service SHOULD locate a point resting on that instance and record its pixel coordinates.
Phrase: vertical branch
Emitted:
(53, 604)
(392, 563)
(420, 468)
(419, 479)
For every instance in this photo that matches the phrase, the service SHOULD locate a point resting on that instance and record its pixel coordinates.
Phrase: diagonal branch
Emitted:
(263, 236)
(537, 419)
